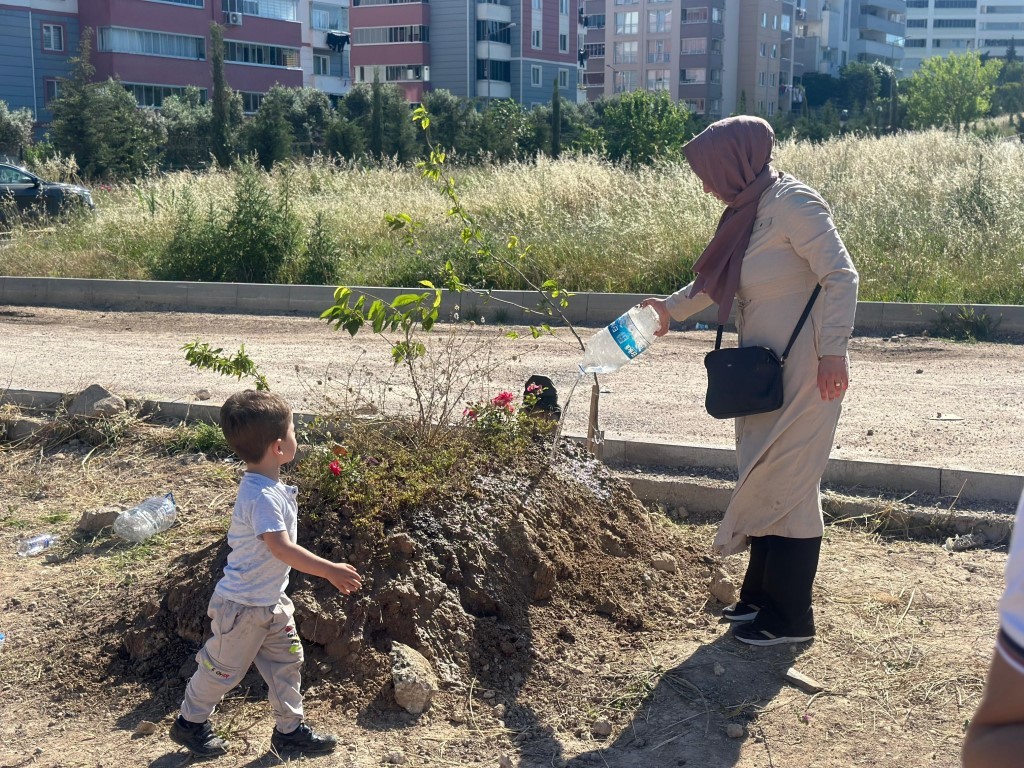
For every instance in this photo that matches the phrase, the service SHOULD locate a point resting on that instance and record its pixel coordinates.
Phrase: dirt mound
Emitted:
(484, 582)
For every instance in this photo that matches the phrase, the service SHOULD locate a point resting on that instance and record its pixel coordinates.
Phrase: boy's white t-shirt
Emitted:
(253, 576)
(1010, 643)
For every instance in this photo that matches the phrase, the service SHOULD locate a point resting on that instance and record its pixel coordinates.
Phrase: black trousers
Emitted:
(779, 578)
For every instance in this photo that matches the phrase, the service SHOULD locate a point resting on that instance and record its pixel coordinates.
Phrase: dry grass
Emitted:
(927, 217)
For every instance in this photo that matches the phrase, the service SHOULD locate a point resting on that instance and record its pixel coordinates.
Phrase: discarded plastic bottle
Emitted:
(152, 516)
(701, 327)
(36, 544)
(3, 637)
(625, 338)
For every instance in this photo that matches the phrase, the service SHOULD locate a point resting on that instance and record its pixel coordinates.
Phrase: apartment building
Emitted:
(37, 38)
(941, 27)
(514, 50)
(833, 33)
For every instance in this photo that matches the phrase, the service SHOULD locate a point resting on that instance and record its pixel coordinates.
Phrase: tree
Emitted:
(269, 133)
(556, 122)
(454, 122)
(820, 88)
(860, 82)
(377, 118)
(950, 92)
(15, 130)
(220, 126)
(189, 129)
(504, 130)
(71, 108)
(1011, 51)
(641, 127)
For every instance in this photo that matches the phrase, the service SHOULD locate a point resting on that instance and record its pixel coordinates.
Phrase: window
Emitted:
(694, 15)
(760, 78)
(917, 3)
(487, 69)
(693, 45)
(192, 3)
(260, 55)
(563, 43)
(153, 95)
(716, 15)
(775, 22)
(140, 41)
(771, 108)
(537, 5)
(625, 53)
(627, 23)
(716, 75)
(413, 72)
(53, 37)
(283, 10)
(762, 49)
(626, 2)
(716, 46)
(786, 23)
(535, 39)
(956, 3)
(325, 17)
(387, 2)
(771, 79)
(692, 76)
(764, 21)
(953, 24)
(563, 7)
(658, 79)
(594, 50)
(625, 81)
(495, 31)
(251, 101)
(917, 23)
(563, 78)
(659, 21)
(695, 105)
(775, 51)
(657, 52)
(915, 43)
(535, 75)
(380, 35)
(52, 91)
(596, 21)
(321, 64)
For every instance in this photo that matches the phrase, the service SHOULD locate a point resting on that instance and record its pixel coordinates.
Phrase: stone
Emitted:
(601, 728)
(723, 588)
(414, 679)
(498, 711)
(93, 520)
(402, 544)
(735, 731)
(802, 681)
(25, 428)
(95, 401)
(203, 394)
(663, 561)
(145, 728)
(504, 761)
(395, 758)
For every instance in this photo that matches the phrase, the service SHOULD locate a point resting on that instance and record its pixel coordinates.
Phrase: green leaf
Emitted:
(405, 299)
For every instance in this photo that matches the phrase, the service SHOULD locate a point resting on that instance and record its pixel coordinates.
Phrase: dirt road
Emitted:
(912, 400)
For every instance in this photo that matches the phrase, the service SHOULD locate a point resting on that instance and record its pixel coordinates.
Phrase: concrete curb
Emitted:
(585, 309)
(858, 476)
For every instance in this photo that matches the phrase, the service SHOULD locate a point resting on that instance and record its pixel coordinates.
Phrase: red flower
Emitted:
(469, 413)
(335, 468)
(534, 388)
(504, 399)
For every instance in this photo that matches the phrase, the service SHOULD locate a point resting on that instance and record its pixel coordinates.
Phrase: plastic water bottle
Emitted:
(36, 544)
(155, 514)
(625, 338)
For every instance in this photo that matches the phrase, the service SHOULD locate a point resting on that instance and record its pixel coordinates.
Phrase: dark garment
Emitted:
(779, 578)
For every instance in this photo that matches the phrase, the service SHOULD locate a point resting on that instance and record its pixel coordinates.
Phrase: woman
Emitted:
(775, 242)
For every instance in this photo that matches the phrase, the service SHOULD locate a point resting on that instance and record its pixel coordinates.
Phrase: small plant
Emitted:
(499, 416)
(199, 437)
(965, 325)
(201, 355)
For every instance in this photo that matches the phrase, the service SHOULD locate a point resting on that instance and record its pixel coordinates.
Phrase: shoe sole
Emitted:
(772, 640)
(303, 751)
(740, 616)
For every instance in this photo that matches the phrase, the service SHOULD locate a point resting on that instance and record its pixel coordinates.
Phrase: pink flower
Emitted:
(335, 468)
(469, 413)
(534, 388)
(510, 408)
(503, 399)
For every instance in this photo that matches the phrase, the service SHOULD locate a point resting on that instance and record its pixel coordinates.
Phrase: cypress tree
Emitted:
(556, 122)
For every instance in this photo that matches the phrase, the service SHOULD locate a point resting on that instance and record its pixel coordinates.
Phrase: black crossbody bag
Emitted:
(743, 381)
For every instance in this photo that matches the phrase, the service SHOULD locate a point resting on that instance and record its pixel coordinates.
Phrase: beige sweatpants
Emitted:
(243, 634)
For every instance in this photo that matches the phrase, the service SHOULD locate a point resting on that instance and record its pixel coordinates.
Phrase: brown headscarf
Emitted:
(733, 158)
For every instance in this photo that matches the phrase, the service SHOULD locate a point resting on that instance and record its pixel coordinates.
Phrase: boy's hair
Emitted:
(252, 421)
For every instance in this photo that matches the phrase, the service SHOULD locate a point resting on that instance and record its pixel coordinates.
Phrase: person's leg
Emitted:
(752, 591)
(789, 574)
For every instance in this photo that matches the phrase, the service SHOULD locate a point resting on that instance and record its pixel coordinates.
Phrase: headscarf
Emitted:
(733, 158)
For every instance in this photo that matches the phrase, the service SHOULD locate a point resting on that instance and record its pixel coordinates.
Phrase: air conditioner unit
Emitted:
(426, 74)
(235, 18)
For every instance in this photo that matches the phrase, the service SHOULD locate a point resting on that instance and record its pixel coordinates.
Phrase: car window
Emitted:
(10, 175)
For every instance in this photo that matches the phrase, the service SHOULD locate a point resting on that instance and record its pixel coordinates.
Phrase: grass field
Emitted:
(927, 217)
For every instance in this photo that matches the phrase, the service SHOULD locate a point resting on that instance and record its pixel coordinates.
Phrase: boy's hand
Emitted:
(344, 577)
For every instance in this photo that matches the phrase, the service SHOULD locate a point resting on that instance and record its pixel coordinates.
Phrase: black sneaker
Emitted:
(740, 611)
(752, 636)
(198, 738)
(303, 739)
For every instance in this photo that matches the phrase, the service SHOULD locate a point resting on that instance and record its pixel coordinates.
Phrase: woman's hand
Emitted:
(833, 376)
(663, 315)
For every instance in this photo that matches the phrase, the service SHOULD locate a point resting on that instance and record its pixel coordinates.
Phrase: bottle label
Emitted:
(623, 330)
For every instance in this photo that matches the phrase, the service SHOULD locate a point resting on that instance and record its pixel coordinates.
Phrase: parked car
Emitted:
(24, 193)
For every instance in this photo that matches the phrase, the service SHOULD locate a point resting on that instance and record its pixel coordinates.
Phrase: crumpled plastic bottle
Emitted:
(152, 516)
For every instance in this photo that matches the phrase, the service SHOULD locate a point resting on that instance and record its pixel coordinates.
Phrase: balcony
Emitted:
(493, 89)
(496, 51)
(879, 24)
(493, 12)
(893, 6)
(333, 85)
(872, 50)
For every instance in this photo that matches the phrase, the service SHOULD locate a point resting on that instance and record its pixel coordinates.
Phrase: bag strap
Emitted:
(796, 331)
(800, 323)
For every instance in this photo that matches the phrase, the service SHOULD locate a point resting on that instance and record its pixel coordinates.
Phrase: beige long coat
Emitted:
(782, 455)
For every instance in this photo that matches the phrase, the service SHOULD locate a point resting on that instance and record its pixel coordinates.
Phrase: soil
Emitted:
(534, 592)
(912, 399)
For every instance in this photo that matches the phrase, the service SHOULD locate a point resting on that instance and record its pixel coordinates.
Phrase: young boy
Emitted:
(250, 614)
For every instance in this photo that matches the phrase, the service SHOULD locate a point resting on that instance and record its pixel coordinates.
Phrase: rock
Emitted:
(663, 561)
(601, 728)
(488, 694)
(203, 394)
(545, 577)
(413, 677)
(719, 670)
(402, 544)
(498, 711)
(734, 731)
(722, 587)
(25, 428)
(96, 401)
(395, 758)
(96, 519)
(145, 728)
(646, 579)
(504, 761)
(964, 542)
(802, 681)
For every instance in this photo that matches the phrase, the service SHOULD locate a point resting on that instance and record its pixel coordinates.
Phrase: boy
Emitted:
(251, 617)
